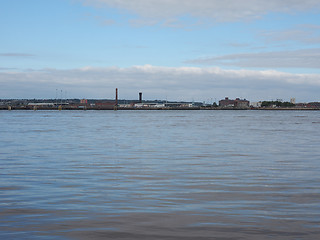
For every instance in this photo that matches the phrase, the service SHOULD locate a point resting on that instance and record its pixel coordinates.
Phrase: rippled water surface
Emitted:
(159, 175)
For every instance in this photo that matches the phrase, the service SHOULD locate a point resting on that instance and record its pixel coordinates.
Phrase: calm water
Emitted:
(159, 175)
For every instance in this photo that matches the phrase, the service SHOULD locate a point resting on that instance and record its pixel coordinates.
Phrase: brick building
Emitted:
(236, 103)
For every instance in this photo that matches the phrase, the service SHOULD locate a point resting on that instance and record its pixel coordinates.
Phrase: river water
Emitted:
(159, 175)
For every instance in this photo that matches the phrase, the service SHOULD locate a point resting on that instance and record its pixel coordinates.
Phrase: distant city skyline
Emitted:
(178, 50)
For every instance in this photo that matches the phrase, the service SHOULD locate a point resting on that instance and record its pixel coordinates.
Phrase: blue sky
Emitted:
(178, 49)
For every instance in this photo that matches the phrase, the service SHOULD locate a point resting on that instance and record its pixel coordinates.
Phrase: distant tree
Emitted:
(266, 104)
(276, 103)
(287, 104)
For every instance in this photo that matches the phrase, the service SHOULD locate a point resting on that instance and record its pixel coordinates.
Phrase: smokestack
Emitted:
(140, 97)
(116, 104)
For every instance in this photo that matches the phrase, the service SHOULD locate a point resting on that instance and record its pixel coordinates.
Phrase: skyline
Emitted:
(178, 50)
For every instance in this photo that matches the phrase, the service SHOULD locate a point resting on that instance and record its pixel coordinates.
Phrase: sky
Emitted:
(180, 50)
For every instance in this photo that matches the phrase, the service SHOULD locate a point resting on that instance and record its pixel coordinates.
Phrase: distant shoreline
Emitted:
(64, 108)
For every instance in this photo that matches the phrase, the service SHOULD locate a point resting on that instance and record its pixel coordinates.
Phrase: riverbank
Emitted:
(83, 108)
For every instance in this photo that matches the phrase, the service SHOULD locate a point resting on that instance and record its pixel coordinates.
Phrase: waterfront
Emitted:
(160, 174)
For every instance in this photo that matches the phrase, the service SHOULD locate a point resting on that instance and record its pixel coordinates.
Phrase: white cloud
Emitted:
(227, 10)
(306, 58)
(308, 34)
(16, 55)
(174, 83)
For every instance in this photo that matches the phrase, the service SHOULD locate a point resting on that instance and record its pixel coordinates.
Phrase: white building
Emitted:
(256, 104)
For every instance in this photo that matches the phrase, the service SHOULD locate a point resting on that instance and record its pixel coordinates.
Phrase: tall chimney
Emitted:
(116, 103)
(140, 97)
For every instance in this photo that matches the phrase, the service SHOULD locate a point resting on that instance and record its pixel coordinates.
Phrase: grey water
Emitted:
(159, 175)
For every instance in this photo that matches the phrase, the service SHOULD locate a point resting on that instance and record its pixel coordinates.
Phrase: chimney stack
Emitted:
(116, 103)
(140, 97)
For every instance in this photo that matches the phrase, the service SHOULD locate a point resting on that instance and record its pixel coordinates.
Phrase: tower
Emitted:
(140, 97)
(116, 102)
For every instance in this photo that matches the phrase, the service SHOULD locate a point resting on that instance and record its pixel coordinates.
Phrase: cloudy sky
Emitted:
(201, 50)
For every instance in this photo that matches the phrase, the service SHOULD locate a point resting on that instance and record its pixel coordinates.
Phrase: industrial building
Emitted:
(236, 103)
